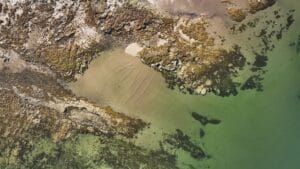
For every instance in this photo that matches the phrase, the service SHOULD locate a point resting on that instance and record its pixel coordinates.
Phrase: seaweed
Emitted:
(253, 82)
(201, 133)
(260, 60)
(182, 141)
(204, 120)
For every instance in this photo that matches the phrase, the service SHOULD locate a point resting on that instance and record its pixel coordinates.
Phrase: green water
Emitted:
(259, 130)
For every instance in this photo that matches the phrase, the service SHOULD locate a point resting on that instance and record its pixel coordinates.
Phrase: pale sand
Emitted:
(133, 49)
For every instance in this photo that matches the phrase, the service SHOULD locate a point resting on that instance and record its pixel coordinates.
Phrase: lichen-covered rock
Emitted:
(60, 34)
(135, 23)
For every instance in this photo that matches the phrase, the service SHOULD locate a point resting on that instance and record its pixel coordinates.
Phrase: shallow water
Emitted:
(259, 129)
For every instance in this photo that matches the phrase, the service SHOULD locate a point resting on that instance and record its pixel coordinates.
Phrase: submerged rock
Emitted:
(204, 120)
(214, 121)
(201, 133)
(254, 82)
(181, 141)
(260, 60)
(83, 151)
(298, 45)
(290, 21)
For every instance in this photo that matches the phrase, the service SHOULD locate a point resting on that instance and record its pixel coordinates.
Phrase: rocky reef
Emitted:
(42, 123)
(181, 141)
(204, 120)
(45, 44)
(182, 48)
(198, 61)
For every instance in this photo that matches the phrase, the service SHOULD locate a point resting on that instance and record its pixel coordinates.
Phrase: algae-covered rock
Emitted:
(258, 5)
(236, 14)
(182, 141)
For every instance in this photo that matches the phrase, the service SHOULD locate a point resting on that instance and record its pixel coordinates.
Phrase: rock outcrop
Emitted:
(236, 14)
(258, 5)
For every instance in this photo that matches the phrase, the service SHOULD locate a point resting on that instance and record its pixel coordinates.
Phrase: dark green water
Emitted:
(259, 130)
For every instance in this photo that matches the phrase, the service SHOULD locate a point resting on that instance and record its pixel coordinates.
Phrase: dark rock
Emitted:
(290, 21)
(263, 32)
(298, 45)
(292, 44)
(202, 133)
(202, 119)
(182, 141)
(260, 60)
(253, 82)
(214, 121)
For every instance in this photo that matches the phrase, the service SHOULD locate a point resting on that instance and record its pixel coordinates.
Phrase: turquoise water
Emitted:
(259, 129)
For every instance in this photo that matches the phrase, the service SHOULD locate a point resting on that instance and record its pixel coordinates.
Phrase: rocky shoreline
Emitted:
(182, 48)
(44, 45)
(197, 61)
